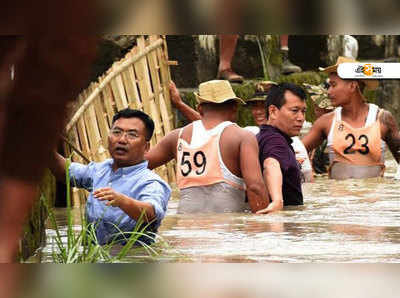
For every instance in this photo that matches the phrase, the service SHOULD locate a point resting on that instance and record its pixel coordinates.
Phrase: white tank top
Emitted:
(371, 118)
(200, 136)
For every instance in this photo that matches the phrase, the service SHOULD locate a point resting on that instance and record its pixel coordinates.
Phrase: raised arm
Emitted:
(317, 133)
(187, 111)
(391, 133)
(164, 151)
(251, 172)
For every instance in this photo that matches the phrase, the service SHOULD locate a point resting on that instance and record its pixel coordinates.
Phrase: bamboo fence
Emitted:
(139, 81)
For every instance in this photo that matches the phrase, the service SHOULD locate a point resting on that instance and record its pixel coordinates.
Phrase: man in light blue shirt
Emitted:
(121, 188)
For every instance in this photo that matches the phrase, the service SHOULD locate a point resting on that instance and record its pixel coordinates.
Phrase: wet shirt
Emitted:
(276, 144)
(137, 182)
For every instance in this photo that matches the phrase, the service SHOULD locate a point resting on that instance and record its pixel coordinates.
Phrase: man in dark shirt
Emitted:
(285, 108)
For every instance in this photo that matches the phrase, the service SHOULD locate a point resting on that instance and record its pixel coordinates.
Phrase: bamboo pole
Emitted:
(65, 139)
(143, 78)
(98, 150)
(154, 74)
(90, 128)
(75, 139)
(118, 90)
(101, 120)
(83, 136)
(143, 70)
(159, 92)
(162, 54)
(129, 79)
(149, 94)
(155, 102)
(165, 102)
(108, 103)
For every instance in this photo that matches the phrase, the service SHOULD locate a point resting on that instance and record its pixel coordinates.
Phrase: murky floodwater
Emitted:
(341, 221)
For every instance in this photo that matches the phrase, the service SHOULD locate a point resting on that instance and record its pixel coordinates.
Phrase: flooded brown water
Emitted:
(341, 221)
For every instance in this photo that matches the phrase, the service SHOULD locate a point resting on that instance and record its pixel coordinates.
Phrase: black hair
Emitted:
(130, 113)
(276, 95)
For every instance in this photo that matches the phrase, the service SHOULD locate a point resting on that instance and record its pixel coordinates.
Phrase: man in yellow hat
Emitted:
(217, 161)
(356, 131)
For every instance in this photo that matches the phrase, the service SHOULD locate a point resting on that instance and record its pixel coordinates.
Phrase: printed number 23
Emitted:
(353, 141)
(199, 160)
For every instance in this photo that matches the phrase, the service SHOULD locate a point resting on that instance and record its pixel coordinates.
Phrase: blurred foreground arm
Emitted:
(57, 166)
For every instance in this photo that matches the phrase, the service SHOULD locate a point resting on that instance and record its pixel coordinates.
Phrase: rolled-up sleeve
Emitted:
(81, 175)
(157, 194)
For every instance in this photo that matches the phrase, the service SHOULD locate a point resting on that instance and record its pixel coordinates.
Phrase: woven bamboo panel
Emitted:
(139, 81)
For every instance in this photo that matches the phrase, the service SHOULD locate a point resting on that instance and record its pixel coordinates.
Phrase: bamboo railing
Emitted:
(139, 81)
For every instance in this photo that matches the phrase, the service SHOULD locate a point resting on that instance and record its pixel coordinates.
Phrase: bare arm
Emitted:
(187, 111)
(391, 133)
(317, 133)
(273, 179)
(164, 151)
(251, 172)
(130, 206)
(57, 166)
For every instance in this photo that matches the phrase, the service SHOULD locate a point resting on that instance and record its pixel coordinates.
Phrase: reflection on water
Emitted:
(341, 221)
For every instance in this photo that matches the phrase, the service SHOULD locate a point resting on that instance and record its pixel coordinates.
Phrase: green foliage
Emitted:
(34, 230)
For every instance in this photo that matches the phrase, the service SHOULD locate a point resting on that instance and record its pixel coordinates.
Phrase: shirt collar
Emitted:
(131, 169)
(267, 126)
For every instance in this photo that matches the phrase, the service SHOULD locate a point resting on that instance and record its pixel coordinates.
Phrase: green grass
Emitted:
(82, 245)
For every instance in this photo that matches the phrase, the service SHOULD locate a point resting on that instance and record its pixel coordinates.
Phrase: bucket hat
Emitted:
(262, 89)
(216, 91)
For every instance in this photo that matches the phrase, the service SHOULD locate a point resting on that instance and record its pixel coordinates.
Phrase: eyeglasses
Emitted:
(118, 133)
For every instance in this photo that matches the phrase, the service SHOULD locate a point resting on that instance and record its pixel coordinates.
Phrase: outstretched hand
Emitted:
(174, 92)
(113, 197)
(272, 207)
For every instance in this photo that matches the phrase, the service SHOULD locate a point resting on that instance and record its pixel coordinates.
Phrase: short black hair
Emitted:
(130, 113)
(276, 95)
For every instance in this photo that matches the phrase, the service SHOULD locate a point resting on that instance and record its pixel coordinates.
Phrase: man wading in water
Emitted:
(286, 109)
(216, 159)
(121, 188)
(356, 131)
